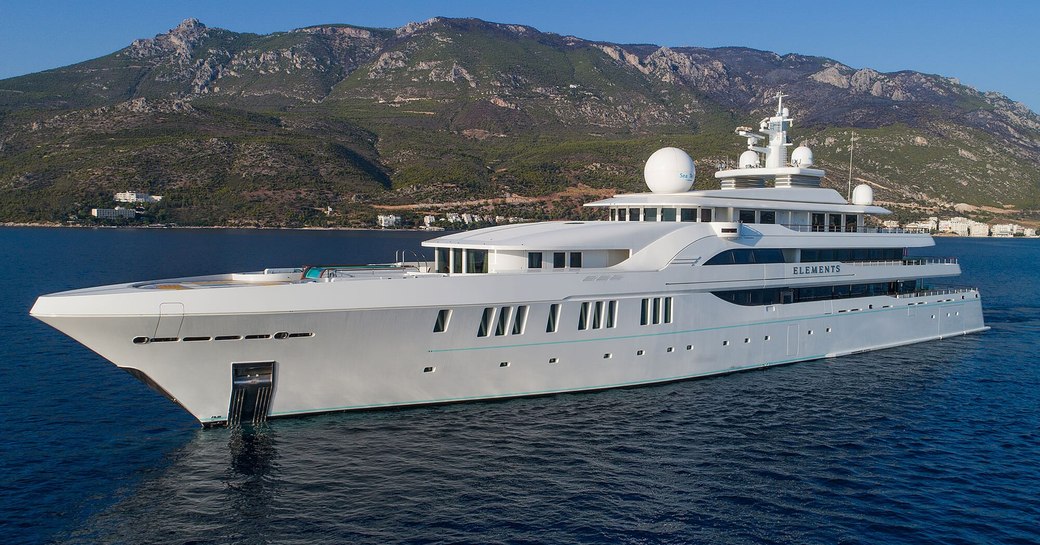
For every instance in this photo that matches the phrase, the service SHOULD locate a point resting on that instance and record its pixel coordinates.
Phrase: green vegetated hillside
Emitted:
(245, 129)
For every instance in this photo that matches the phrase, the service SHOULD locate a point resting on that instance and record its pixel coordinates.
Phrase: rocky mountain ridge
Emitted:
(451, 108)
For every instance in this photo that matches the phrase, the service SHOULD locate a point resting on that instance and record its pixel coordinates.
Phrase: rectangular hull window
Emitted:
(442, 321)
(552, 324)
(583, 317)
(520, 321)
(503, 321)
(485, 322)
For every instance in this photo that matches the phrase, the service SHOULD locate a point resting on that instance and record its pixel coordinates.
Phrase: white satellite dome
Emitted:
(801, 157)
(863, 195)
(748, 159)
(669, 170)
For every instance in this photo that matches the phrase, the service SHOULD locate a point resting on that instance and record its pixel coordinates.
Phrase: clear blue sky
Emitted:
(988, 44)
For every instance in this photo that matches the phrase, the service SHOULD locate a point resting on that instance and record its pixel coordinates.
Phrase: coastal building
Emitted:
(135, 197)
(112, 213)
(388, 220)
(978, 229)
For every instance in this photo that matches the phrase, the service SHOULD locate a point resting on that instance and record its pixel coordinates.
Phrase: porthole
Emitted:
(689, 347)
(140, 340)
(504, 364)
(639, 352)
(607, 356)
(670, 349)
(226, 338)
(194, 339)
(429, 369)
(552, 360)
(281, 335)
(810, 332)
(828, 330)
(264, 336)
(725, 343)
(747, 340)
(766, 338)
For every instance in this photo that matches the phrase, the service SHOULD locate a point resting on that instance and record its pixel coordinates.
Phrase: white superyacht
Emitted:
(770, 269)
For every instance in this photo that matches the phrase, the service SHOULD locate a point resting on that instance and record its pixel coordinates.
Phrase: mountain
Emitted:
(238, 128)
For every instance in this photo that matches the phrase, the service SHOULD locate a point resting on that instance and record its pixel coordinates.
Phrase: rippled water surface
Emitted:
(932, 443)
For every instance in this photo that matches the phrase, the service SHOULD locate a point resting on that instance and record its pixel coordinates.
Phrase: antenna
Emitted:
(852, 146)
(780, 101)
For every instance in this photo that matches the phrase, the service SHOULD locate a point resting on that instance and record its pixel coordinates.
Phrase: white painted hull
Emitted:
(360, 358)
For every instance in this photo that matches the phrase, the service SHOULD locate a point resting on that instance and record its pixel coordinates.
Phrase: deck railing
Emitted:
(803, 228)
(906, 261)
(940, 291)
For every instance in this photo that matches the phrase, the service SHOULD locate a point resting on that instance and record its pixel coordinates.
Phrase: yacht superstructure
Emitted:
(674, 284)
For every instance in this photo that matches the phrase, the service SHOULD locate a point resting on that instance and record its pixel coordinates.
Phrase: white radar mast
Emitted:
(775, 167)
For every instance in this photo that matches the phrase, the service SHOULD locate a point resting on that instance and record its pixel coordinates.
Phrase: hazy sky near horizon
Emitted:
(988, 45)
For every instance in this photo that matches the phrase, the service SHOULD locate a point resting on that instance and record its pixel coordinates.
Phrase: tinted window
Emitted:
(650, 214)
(534, 260)
(767, 216)
(747, 216)
(769, 255)
(688, 214)
(667, 214)
(742, 257)
(559, 260)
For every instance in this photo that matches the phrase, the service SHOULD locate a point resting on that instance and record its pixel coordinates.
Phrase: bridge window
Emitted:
(747, 216)
(575, 260)
(688, 214)
(649, 214)
(767, 216)
(705, 214)
(534, 260)
(443, 258)
(559, 260)
(621, 214)
(667, 214)
(633, 214)
(456, 260)
(476, 261)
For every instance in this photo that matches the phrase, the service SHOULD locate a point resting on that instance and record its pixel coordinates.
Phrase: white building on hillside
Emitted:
(388, 220)
(111, 213)
(133, 196)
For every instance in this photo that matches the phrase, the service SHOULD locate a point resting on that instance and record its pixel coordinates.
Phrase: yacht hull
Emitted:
(347, 359)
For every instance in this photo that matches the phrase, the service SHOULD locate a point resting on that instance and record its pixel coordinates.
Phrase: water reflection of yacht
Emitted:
(674, 284)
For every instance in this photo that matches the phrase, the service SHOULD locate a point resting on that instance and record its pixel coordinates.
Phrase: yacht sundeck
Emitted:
(674, 284)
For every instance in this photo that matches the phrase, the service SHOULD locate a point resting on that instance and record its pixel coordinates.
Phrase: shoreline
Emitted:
(259, 228)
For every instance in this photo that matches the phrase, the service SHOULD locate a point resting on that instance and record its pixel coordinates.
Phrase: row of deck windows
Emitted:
(783, 296)
(665, 214)
(818, 221)
(510, 319)
(592, 315)
(597, 315)
(742, 256)
(457, 260)
(560, 260)
(655, 310)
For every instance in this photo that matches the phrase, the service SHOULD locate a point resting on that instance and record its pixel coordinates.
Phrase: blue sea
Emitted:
(932, 443)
